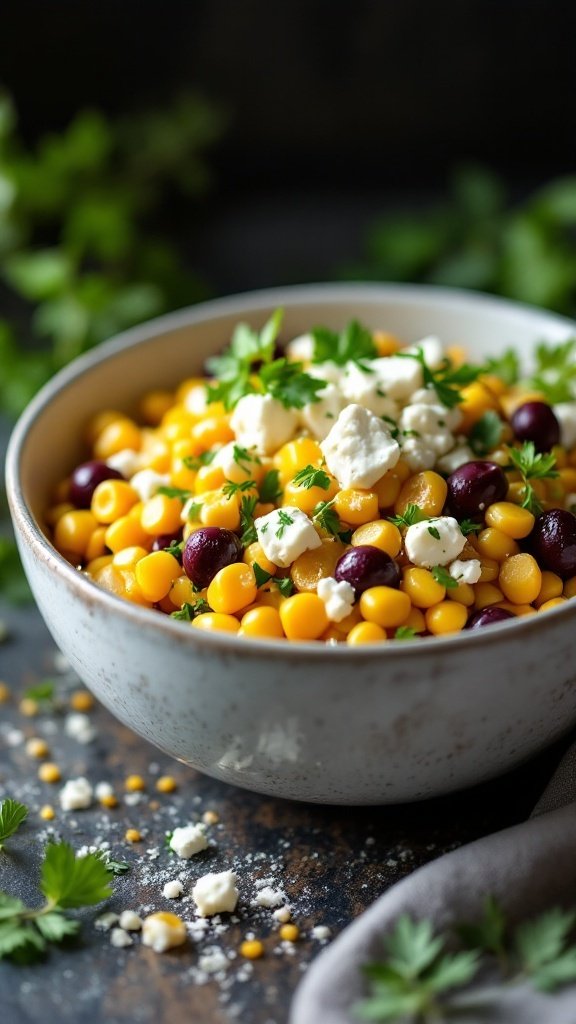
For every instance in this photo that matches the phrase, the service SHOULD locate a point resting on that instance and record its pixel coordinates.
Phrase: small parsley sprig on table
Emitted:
(12, 814)
(448, 380)
(66, 882)
(532, 465)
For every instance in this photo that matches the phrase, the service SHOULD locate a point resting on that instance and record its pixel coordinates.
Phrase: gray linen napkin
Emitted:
(528, 868)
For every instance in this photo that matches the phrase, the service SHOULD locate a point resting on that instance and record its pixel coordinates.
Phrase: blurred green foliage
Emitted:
(84, 249)
(479, 239)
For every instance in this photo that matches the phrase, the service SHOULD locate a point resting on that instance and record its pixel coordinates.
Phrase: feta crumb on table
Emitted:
(163, 931)
(172, 890)
(130, 921)
(120, 938)
(189, 840)
(76, 795)
(269, 897)
(216, 893)
(79, 727)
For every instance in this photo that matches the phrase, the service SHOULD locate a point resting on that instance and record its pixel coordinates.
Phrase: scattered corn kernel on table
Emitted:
(303, 872)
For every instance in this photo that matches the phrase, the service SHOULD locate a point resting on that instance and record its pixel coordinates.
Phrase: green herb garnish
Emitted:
(555, 371)
(506, 367)
(234, 367)
(230, 488)
(443, 577)
(405, 633)
(486, 433)
(354, 344)
(469, 526)
(189, 611)
(44, 691)
(311, 477)
(532, 465)
(284, 520)
(176, 548)
(446, 381)
(191, 510)
(195, 462)
(289, 384)
(285, 585)
(434, 532)
(411, 514)
(12, 814)
(247, 508)
(270, 489)
(175, 492)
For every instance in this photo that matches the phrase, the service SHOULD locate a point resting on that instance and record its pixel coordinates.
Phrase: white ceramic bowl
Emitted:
(356, 725)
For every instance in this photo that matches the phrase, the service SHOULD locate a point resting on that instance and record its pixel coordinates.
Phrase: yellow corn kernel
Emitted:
(73, 531)
(28, 707)
(251, 949)
(155, 574)
(219, 510)
(210, 817)
(316, 564)
(517, 609)
(255, 553)
(261, 621)
(490, 569)
(133, 591)
(128, 557)
(365, 633)
(520, 579)
(421, 587)
(134, 784)
(49, 772)
(189, 387)
(428, 490)
(100, 421)
(108, 800)
(387, 488)
(385, 606)
(349, 621)
(570, 587)
(517, 491)
(161, 514)
(415, 620)
(306, 498)
(218, 622)
(96, 564)
(551, 587)
(47, 812)
(112, 499)
(37, 747)
(554, 602)
(446, 617)
(493, 543)
(463, 594)
(386, 344)
(154, 406)
(5, 692)
(56, 512)
(356, 506)
(81, 700)
(126, 532)
(379, 534)
(289, 932)
(568, 477)
(303, 617)
(116, 436)
(512, 520)
(209, 478)
(477, 399)
(513, 399)
(232, 588)
(177, 426)
(182, 592)
(166, 784)
(496, 384)
(486, 594)
(561, 456)
(132, 835)
(96, 546)
(211, 431)
(296, 455)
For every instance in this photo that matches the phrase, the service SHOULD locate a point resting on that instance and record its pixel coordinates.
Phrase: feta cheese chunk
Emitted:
(126, 462)
(172, 890)
(196, 400)
(565, 413)
(359, 449)
(338, 598)
(452, 461)
(188, 840)
(319, 417)
(120, 938)
(434, 541)
(76, 795)
(216, 893)
(78, 726)
(363, 387)
(286, 533)
(301, 349)
(432, 350)
(234, 465)
(468, 571)
(397, 376)
(130, 921)
(162, 931)
(262, 422)
(146, 483)
(417, 454)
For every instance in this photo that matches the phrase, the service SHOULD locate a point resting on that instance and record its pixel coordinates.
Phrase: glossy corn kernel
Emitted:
(128, 557)
(166, 784)
(520, 579)
(428, 490)
(133, 835)
(96, 546)
(209, 478)
(446, 617)
(554, 602)
(570, 587)
(47, 812)
(182, 592)
(463, 594)
(379, 534)
(386, 344)
(116, 436)
(99, 422)
(161, 514)
(366, 633)
(517, 491)
(387, 489)
(154, 406)
(517, 609)
(49, 772)
(296, 455)
(217, 622)
(493, 543)
(415, 620)
(112, 499)
(56, 512)
(477, 399)
(37, 747)
(306, 498)
(489, 570)
(421, 587)
(568, 478)
(486, 594)
(211, 431)
(94, 566)
(133, 591)
(233, 587)
(134, 784)
(255, 553)
(81, 700)
(385, 606)
(74, 530)
(512, 520)
(155, 574)
(289, 932)
(303, 617)
(314, 565)
(552, 586)
(355, 506)
(262, 621)
(219, 510)
(251, 949)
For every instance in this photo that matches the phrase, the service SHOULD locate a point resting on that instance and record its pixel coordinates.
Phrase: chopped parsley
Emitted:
(311, 477)
(247, 508)
(532, 465)
(506, 367)
(469, 526)
(486, 433)
(195, 462)
(261, 575)
(244, 458)
(189, 611)
(230, 488)
(234, 367)
(191, 510)
(555, 371)
(434, 532)
(175, 548)
(289, 384)
(326, 517)
(270, 489)
(285, 585)
(405, 633)
(284, 520)
(411, 514)
(175, 492)
(443, 577)
(355, 344)
(447, 380)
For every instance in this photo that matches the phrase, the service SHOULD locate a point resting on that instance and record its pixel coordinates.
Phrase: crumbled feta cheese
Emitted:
(269, 897)
(452, 461)
(106, 921)
(146, 483)
(338, 598)
(363, 387)
(565, 413)
(120, 938)
(195, 400)
(468, 571)
(215, 893)
(359, 449)
(301, 349)
(76, 794)
(328, 371)
(262, 422)
(424, 548)
(417, 454)
(130, 921)
(213, 960)
(162, 931)
(397, 376)
(423, 418)
(432, 350)
(282, 915)
(189, 840)
(103, 790)
(320, 932)
(428, 396)
(286, 533)
(79, 727)
(172, 890)
(126, 462)
(235, 469)
(319, 417)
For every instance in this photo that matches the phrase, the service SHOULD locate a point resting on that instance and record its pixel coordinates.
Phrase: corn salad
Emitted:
(344, 490)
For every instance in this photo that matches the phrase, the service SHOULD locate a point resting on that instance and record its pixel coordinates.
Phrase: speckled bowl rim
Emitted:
(289, 296)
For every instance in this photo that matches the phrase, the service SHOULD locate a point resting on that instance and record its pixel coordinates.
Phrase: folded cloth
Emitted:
(528, 869)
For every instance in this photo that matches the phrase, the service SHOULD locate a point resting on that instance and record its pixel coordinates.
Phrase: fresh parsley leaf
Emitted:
(175, 492)
(68, 881)
(532, 465)
(176, 548)
(247, 508)
(12, 814)
(312, 477)
(20, 941)
(285, 585)
(234, 367)
(540, 941)
(290, 384)
(434, 532)
(555, 371)
(244, 458)
(189, 611)
(261, 575)
(117, 867)
(468, 526)
(411, 514)
(232, 389)
(230, 488)
(44, 691)
(446, 381)
(191, 510)
(487, 934)
(270, 489)
(506, 367)
(54, 927)
(284, 520)
(327, 518)
(405, 633)
(443, 577)
(353, 344)
(195, 462)
(486, 433)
